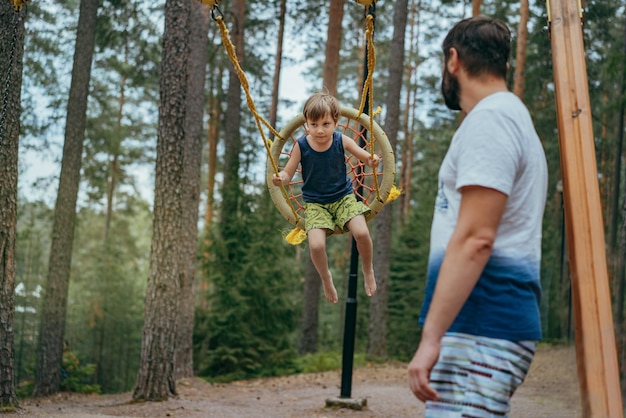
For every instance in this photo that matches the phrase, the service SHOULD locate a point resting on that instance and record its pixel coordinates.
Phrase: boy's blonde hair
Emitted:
(321, 104)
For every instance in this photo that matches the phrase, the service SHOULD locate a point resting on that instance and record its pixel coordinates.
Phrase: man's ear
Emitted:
(453, 63)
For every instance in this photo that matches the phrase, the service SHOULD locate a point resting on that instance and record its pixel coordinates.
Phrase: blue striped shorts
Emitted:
(476, 376)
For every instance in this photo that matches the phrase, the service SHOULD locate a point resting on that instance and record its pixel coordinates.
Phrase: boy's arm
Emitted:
(353, 148)
(290, 168)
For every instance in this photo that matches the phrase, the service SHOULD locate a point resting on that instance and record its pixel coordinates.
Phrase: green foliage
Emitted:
(74, 376)
(251, 321)
(121, 127)
(246, 323)
(8, 409)
(324, 361)
(33, 246)
(410, 248)
(25, 389)
(107, 293)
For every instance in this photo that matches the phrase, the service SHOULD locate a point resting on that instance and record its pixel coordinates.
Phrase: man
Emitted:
(480, 315)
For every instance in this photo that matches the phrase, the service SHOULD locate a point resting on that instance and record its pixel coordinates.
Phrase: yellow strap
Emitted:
(366, 2)
(18, 4)
(230, 50)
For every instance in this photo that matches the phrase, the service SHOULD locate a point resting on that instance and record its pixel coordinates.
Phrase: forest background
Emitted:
(98, 275)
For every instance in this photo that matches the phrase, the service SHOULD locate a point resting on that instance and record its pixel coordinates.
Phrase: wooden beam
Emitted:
(598, 370)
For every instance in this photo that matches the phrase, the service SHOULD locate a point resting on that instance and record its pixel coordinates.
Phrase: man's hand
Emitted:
(419, 371)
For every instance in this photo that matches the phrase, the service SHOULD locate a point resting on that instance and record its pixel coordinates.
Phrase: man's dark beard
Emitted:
(450, 90)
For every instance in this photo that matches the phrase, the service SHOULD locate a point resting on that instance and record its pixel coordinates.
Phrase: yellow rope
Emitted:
(371, 64)
(230, 50)
(18, 4)
(368, 88)
(211, 3)
(297, 235)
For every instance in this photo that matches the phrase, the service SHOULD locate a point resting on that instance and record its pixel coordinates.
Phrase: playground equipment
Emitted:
(374, 189)
(288, 199)
(598, 370)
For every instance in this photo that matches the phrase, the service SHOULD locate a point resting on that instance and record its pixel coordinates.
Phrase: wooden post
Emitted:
(596, 355)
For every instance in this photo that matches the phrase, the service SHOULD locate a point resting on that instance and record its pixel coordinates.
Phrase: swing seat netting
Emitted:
(374, 192)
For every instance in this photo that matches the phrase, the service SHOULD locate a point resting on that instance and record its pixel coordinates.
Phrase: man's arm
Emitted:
(466, 255)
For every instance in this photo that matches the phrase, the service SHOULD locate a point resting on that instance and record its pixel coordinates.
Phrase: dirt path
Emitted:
(551, 390)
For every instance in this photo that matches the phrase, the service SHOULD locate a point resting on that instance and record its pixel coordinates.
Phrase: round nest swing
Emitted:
(372, 187)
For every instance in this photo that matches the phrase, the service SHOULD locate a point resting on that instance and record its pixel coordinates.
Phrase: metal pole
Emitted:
(351, 303)
(350, 326)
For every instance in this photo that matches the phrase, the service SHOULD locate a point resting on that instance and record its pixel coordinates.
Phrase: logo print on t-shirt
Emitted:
(441, 203)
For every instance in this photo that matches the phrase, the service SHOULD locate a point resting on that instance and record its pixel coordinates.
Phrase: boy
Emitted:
(327, 189)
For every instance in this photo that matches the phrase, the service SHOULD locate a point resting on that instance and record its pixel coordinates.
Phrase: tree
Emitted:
(476, 4)
(333, 46)
(11, 53)
(155, 379)
(278, 61)
(192, 164)
(307, 342)
(377, 325)
(54, 306)
(520, 54)
(32, 246)
(109, 263)
(309, 319)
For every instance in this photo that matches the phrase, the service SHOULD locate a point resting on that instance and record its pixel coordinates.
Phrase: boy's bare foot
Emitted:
(329, 289)
(370, 282)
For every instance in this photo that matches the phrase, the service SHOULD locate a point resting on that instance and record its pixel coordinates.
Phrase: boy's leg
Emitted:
(361, 234)
(317, 247)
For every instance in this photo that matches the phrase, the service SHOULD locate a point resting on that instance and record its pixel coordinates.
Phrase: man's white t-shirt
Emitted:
(496, 147)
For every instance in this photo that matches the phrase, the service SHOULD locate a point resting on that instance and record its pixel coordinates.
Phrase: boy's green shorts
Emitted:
(331, 215)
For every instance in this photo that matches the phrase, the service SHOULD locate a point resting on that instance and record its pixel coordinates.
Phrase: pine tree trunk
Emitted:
(191, 185)
(520, 54)
(617, 171)
(404, 202)
(11, 65)
(155, 378)
(114, 165)
(621, 277)
(232, 139)
(215, 115)
(309, 320)
(54, 304)
(476, 4)
(333, 46)
(378, 314)
(278, 62)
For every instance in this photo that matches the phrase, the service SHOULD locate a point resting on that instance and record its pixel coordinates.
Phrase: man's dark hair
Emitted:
(483, 45)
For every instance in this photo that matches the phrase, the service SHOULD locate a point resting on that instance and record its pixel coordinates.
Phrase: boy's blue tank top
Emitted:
(324, 173)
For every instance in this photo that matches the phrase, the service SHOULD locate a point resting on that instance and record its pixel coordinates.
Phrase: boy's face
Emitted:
(321, 129)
